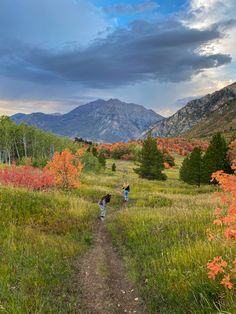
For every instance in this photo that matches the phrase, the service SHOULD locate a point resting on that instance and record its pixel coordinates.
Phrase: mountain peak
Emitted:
(100, 120)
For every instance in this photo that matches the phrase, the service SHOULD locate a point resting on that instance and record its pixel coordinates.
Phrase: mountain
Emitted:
(100, 120)
(221, 120)
(208, 114)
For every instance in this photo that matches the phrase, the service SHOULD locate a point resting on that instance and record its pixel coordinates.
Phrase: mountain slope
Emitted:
(105, 121)
(221, 120)
(195, 112)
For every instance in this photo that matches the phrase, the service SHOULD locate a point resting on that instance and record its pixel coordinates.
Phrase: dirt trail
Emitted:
(105, 286)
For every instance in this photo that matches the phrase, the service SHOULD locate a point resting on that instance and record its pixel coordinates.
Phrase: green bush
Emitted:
(91, 163)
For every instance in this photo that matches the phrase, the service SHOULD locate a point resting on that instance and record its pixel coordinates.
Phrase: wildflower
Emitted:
(226, 282)
(216, 266)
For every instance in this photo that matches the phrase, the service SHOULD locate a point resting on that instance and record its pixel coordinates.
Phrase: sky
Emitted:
(58, 54)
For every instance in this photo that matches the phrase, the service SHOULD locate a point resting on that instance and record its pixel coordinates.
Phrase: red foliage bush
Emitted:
(225, 219)
(26, 176)
(180, 145)
(176, 145)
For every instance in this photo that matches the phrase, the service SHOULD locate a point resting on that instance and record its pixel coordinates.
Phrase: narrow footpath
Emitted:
(106, 288)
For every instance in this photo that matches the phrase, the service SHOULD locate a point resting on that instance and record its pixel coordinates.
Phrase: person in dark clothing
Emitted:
(102, 205)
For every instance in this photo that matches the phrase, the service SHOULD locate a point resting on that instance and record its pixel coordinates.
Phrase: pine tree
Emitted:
(150, 161)
(184, 170)
(191, 170)
(215, 158)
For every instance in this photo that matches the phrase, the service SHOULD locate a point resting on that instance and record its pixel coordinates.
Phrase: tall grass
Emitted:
(41, 236)
(162, 235)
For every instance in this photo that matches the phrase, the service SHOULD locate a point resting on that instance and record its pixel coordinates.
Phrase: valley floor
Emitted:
(147, 257)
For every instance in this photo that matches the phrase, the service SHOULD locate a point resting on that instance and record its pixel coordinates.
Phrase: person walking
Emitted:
(126, 189)
(102, 205)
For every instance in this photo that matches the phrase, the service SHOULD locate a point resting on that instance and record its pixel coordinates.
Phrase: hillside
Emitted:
(100, 120)
(223, 120)
(199, 114)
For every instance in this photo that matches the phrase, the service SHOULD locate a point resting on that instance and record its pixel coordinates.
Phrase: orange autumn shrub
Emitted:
(66, 168)
(225, 219)
(166, 165)
(176, 145)
(232, 151)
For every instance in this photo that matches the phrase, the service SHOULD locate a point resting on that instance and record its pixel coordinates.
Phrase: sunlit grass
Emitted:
(162, 235)
(41, 236)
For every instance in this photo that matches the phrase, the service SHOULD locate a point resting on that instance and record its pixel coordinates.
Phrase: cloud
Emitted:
(131, 9)
(54, 53)
(50, 22)
(168, 52)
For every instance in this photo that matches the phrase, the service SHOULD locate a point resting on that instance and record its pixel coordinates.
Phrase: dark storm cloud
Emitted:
(125, 8)
(166, 51)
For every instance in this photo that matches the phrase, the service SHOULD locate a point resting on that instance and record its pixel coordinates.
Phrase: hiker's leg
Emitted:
(126, 195)
(103, 211)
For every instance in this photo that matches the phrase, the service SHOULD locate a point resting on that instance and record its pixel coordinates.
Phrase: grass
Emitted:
(41, 236)
(161, 234)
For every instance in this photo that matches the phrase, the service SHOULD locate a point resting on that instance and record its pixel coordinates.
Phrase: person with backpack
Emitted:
(126, 189)
(102, 205)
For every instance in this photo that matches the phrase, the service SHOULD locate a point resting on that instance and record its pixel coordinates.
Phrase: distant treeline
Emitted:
(81, 140)
(19, 142)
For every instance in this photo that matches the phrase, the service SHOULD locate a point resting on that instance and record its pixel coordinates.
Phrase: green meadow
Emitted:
(41, 237)
(161, 234)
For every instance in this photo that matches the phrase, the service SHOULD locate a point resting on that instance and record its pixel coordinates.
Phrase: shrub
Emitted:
(102, 160)
(113, 167)
(168, 159)
(26, 176)
(90, 163)
(225, 219)
(66, 168)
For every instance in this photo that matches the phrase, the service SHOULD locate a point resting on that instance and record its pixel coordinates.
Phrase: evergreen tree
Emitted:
(113, 167)
(215, 158)
(191, 170)
(150, 161)
(184, 170)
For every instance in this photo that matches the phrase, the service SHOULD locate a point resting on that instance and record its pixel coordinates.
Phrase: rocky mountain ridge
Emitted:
(195, 112)
(100, 121)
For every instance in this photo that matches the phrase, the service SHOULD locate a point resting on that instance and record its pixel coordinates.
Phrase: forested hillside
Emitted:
(23, 141)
